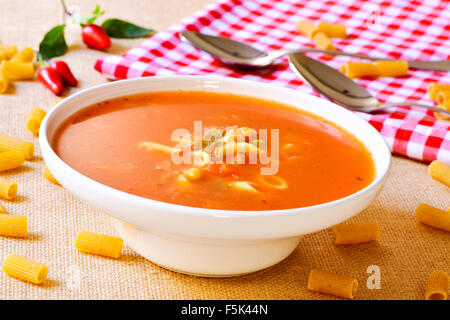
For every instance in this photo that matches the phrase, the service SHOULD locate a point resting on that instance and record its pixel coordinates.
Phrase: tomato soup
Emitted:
(214, 150)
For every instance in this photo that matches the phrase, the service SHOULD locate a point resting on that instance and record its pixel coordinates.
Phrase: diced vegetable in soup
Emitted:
(213, 150)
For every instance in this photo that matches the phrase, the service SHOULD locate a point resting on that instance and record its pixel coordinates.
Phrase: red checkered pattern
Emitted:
(397, 29)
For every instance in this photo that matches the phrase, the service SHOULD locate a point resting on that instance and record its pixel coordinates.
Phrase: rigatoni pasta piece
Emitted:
(387, 68)
(8, 50)
(435, 87)
(322, 41)
(4, 82)
(36, 115)
(25, 269)
(332, 30)
(359, 69)
(307, 28)
(100, 244)
(24, 55)
(18, 70)
(440, 115)
(8, 143)
(437, 286)
(331, 283)
(440, 171)
(443, 98)
(49, 176)
(11, 160)
(355, 233)
(13, 226)
(433, 217)
(3, 209)
(8, 189)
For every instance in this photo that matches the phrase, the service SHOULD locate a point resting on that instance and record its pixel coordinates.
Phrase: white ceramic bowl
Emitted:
(203, 241)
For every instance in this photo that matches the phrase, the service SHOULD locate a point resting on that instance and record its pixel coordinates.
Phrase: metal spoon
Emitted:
(241, 54)
(338, 87)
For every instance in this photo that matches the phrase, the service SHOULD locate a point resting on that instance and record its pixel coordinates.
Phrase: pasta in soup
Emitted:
(214, 150)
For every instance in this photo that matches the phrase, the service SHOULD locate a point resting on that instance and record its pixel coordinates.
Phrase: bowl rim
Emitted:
(48, 151)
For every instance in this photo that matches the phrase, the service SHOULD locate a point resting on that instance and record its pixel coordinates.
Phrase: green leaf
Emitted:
(116, 28)
(88, 19)
(54, 44)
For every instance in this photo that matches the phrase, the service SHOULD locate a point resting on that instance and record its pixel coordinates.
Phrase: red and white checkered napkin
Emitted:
(397, 29)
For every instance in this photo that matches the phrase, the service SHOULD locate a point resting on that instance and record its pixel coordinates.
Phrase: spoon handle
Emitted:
(443, 65)
(414, 104)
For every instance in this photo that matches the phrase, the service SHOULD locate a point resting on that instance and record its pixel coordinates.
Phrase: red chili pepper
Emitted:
(51, 79)
(95, 37)
(64, 71)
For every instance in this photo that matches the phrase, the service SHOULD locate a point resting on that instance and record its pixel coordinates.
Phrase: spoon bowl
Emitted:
(226, 50)
(341, 89)
(239, 54)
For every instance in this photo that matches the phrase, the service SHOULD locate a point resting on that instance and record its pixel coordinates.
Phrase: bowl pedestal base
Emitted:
(206, 257)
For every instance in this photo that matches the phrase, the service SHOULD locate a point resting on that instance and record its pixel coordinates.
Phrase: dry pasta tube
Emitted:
(8, 50)
(331, 283)
(332, 30)
(2, 56)
(307, 28)
(359, 69)
(437, 286)
(25, 269)
(11, 160)
(3, 209)
(49, 176)
(392, 68)
(321, 41)
(356, 233)
(440, 171)
(440, 115)
(13, 226)
(435, 87)
(8, 189)
(433, 217)
(8, 143)
(24, 55)
(443, 98)
(36, 115)
(3, 83)
(18, 70)
(100, 244)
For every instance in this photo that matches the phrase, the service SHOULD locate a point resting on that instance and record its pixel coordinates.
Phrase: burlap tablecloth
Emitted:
(406, 253)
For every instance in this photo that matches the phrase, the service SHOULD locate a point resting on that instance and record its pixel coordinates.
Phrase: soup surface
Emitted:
(132, 144)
